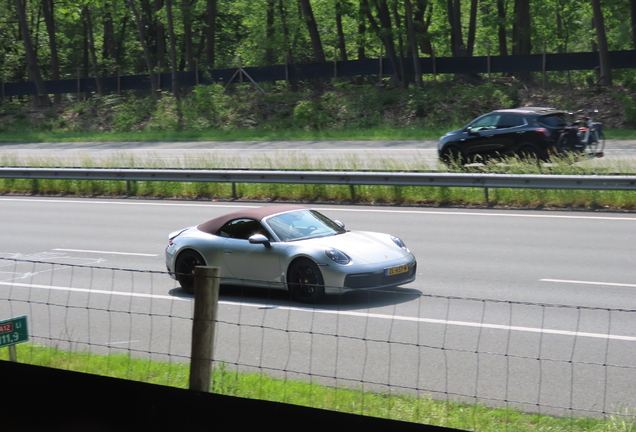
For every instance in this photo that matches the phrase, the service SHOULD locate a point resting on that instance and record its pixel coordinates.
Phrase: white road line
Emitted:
(335, 209)
(365, 315)
(94, 291)
(107, 252)
(589, 283)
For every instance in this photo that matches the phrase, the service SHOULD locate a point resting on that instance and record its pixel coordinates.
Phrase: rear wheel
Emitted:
(186, 263)
(305, 282)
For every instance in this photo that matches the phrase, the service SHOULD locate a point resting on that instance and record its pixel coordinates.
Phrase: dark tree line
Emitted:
(56, 39)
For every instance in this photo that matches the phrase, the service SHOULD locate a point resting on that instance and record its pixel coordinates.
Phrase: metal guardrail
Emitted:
(528, 181)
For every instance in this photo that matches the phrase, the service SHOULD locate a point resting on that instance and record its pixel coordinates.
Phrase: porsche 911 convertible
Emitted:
(289, 247)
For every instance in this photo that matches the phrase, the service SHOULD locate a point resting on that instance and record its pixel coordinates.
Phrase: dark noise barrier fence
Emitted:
(443, 65)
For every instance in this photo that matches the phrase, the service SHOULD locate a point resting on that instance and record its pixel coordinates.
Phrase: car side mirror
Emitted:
(259, 239)
(340, 224)
(469, 131)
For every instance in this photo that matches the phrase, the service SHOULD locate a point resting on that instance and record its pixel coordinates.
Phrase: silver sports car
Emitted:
(289, 247)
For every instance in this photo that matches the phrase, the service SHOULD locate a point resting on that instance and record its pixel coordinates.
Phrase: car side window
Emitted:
(486, 122)
(510, 120)
(242, 229)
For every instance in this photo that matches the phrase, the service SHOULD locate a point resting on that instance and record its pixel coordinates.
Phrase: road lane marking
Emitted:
(365, 315)
(348, 209)
(107, 252)
(94, 291)
(589, 283)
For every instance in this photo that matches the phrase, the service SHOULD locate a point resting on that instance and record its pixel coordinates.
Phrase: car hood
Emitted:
(449, 136)
(361, 246)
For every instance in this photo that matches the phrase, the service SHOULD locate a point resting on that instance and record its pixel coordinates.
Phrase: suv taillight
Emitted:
(545, 134)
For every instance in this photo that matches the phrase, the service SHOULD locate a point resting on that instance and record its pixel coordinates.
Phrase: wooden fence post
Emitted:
(206, 301)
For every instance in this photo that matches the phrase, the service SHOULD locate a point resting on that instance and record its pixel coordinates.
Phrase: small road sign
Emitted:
(13, 331)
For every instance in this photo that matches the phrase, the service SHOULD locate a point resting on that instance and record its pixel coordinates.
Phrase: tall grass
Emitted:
(415, 408)
(406, 195)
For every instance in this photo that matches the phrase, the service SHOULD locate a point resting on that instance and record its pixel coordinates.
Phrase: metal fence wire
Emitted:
(540, 358)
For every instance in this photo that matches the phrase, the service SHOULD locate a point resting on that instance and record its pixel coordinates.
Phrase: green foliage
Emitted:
(629, 105)
(132, 114)
(204, 107)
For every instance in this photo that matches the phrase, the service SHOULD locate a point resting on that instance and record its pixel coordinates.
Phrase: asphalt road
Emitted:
(471, 325)
(392, 155)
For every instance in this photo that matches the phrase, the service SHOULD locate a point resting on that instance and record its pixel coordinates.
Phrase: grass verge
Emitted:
(383, 195)
(410, 408)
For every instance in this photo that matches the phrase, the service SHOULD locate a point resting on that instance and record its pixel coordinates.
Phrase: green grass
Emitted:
(407, 195)
(393, 405)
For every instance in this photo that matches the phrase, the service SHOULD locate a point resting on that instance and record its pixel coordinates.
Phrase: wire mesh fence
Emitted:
(551, 359)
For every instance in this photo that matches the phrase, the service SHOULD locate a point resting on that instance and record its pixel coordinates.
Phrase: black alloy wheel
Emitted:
(305, 281)
(184, 269)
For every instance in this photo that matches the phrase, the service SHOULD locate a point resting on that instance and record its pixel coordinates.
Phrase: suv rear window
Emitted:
(554, 120)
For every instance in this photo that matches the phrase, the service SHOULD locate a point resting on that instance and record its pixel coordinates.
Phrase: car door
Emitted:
(479, 138)
(510, 133)
(251, 262)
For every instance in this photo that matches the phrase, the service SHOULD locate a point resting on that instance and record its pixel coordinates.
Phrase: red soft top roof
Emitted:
(258, 213)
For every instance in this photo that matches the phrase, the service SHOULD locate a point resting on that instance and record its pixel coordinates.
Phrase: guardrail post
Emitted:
(206, 300)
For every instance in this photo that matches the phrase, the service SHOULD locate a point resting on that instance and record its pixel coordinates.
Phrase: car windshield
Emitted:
(302, 224)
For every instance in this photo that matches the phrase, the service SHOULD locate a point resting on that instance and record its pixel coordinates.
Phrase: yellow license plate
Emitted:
(397, 270)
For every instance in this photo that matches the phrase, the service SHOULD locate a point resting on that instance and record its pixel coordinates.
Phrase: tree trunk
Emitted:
(472, 27)
(210, 34)
(312, 27)
(501, 27)
(47, 10)
(413, 43)
(632, 9)
(186, 10)
(160, 35)
(173, 50)
(362, 30)
(42, 98)
(270, 31)
(458, 49)
(424, 8)
(384, 31)
(521, 35)
(109, 50)
(91, 50)
(342, 48)
(599, 24)
(141, 34)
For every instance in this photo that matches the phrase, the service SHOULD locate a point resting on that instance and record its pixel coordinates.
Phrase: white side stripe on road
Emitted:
(334, 209)
(589, 283)
(106, 252)
(348, 313)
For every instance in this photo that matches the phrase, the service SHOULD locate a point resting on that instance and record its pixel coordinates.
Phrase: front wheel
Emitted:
(184, 269)
(305, 282)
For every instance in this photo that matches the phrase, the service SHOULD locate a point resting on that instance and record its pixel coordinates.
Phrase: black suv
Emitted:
(534, 133)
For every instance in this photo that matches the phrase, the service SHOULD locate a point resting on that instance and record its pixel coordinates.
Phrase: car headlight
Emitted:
(338, 256)
(400, 243)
